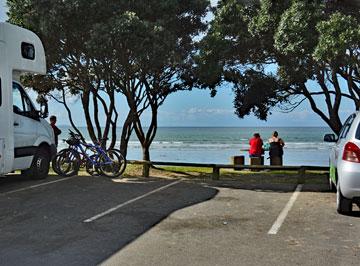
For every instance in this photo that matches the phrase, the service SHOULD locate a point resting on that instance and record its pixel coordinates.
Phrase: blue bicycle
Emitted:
(92, 157)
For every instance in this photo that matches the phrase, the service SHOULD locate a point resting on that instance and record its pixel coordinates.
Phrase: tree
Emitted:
(154, 46)
(282, 53)
(165, 58)
(139, 49)
(75, 68)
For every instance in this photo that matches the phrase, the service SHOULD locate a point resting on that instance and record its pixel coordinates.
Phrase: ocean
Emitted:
(303, 145)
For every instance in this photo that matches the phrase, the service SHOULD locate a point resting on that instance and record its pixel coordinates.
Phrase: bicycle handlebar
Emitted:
(75, 135)
(79, 137)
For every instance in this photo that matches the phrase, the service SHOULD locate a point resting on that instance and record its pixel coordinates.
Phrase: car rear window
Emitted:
(357, 134)
(345, 130)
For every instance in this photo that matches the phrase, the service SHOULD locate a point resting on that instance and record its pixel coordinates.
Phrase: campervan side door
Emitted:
(2, 139)
(6, 115)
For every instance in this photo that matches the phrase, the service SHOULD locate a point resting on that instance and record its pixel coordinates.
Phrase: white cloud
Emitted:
(205, 111)
(302, 115)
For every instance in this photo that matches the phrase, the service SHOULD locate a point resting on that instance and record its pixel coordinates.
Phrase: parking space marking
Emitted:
(282, 216)
(129, 202)
(35, 186)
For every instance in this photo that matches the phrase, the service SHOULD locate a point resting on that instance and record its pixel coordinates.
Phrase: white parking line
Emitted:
(128, 202)
(281, 218)
(35, 186)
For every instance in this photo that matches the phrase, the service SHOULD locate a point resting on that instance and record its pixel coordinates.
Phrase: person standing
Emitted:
(56, 130)
(276, 151)
(256, 143)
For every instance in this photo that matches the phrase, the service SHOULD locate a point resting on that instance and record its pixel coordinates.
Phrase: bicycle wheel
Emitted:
(122, 161)
(92, 168)
(110, 164)
(67, 162)
(54, 161)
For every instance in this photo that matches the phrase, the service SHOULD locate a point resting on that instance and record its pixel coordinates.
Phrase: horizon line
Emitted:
(63, 125)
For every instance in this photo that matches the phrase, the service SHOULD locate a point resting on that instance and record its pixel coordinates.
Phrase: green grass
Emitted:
(204, 173)
(182, 169)
(276, 176)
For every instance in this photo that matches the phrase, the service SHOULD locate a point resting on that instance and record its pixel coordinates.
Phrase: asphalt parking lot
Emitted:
(95, 220)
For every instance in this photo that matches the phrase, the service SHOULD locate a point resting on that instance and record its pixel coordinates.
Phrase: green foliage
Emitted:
(264, 22)
(134, 35)
(296, 34)
(339, 40)
(257, 93)
(222, 47)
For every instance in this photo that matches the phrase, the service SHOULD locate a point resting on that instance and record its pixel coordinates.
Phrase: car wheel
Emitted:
(40, 165)
(344, 205)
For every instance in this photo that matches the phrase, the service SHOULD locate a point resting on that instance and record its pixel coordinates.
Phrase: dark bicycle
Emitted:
(93, 157)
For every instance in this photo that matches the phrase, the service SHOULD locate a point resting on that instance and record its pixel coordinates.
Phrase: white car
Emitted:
(345, 164)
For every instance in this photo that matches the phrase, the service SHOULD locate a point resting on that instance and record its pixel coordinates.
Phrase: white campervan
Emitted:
(26, 139)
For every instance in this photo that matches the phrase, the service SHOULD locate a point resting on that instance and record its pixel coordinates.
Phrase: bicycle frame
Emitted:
(99, 151)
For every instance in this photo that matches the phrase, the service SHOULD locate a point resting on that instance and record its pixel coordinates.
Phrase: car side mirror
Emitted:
(34, 114)
(330, 138)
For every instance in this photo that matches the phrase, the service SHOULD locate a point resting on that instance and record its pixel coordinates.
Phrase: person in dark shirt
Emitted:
(57, 131)
(276, 151)
(256, 144)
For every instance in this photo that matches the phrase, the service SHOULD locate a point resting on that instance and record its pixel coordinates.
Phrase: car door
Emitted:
(26, 120)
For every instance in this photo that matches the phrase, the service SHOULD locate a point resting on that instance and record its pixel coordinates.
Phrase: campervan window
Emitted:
(28, 50)
(21, 103)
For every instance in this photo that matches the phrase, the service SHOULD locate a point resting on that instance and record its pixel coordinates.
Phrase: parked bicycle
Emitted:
(92, 157)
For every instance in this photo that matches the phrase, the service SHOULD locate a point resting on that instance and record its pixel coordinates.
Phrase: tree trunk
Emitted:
(96, 116)
(126, 133)
(86, 102)
(146, 158)
(332, 118)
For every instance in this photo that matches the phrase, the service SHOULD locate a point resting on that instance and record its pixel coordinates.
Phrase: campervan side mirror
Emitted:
(330, 138)
(44, 109)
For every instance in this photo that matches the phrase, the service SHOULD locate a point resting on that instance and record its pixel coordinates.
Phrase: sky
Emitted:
(3, 10)
(197, 108)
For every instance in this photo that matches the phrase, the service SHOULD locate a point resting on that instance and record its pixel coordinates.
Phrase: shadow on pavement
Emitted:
(44, 226)
(15, 181)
